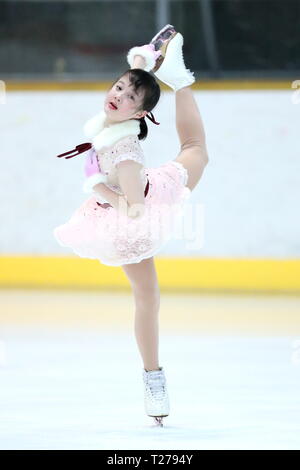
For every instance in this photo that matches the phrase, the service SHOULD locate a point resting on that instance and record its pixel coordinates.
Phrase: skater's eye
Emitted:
(119, 88)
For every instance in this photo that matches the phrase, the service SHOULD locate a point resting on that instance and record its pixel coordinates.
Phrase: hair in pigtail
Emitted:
(143, 125)
(143, 129)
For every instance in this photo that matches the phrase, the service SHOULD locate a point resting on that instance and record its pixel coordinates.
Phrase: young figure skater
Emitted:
(126, 221)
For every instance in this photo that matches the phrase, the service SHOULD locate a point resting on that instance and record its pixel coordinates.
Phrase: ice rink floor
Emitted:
(71, 373)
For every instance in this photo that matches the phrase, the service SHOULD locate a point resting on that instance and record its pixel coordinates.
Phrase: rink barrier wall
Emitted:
(174, 274)
(185, 274)
(39, 85)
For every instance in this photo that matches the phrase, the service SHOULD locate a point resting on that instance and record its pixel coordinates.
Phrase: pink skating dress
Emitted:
(113, 238)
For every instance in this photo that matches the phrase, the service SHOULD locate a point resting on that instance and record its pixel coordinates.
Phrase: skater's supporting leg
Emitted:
(190, 129)
(144, 283)
(147, 329)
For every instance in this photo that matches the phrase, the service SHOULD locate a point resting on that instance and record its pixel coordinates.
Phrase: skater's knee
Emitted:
(147, 298)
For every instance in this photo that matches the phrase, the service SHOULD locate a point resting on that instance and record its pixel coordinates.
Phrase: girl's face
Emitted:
(122, 102)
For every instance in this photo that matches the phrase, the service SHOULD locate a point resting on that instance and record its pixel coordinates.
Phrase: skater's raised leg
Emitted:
(173, 72)
(193, 154)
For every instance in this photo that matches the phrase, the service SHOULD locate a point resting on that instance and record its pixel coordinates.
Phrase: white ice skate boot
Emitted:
(164, 57)
(160, 42)
(172, 71)
(156, 395)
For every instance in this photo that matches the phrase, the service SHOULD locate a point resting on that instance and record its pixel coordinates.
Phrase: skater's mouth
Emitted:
(112, 106)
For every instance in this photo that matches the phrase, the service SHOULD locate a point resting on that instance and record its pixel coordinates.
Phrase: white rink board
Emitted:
(249, 194)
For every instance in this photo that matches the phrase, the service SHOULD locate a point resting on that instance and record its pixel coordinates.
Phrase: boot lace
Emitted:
(157, 388)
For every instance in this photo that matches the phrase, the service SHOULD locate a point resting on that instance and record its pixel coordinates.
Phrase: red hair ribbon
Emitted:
(152, 118)
(77, 150)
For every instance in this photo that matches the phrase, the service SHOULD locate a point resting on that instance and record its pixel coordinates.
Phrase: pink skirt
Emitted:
(116, 239)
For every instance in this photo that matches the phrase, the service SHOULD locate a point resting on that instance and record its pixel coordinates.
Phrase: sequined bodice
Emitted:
(127, 148)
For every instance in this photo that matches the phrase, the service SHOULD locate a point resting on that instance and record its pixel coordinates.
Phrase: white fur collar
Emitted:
(106, 136)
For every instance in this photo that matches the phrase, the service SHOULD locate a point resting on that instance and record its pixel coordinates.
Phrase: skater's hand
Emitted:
(136, 211)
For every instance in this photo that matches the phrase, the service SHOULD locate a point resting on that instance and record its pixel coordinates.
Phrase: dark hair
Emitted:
(140, 79)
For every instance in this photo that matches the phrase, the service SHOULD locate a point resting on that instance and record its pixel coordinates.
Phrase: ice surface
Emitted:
(82, 389)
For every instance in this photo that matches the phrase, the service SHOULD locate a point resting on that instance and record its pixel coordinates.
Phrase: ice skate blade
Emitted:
(158, 420)
(163, 50)
(161, 32)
